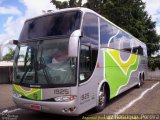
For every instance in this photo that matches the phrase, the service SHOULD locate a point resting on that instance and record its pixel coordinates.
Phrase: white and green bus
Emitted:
(73, 60)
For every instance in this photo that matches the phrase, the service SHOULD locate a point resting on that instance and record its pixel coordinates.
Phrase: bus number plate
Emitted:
(36, 107)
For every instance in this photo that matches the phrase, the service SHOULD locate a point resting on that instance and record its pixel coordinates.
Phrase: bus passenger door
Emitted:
(88, 81)
(87, 86)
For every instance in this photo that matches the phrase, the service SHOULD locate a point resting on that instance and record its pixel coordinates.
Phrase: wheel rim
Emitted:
(102, 97)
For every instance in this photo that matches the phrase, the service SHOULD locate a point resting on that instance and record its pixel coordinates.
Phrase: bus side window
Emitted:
(140, 50)
(85, 63)
(137, 48)
(145, 51)
(106, 32)
(126, 44)
(90, 26)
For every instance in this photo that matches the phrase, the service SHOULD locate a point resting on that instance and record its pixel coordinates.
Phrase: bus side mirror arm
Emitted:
(74, 43)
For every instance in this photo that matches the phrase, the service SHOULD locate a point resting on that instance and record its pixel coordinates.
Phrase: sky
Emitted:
(13, 13)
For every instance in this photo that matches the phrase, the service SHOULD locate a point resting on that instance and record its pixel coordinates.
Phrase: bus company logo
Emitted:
(35, 96)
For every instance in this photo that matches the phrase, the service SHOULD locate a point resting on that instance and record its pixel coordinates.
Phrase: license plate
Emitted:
(35, 107)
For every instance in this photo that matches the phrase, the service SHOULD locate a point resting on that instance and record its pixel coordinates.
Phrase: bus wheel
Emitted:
(143, 77)
(102, 99)
(140, 83)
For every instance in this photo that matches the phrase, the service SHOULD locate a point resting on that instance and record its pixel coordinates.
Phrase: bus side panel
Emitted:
(118, 71)
(87, 91)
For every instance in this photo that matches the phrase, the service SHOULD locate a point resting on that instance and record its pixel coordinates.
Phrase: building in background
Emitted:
(0, 52)
(6, 72)
(6, 67)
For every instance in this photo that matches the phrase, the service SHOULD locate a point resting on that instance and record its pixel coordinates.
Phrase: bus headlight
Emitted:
(65, 98)
(17, 94)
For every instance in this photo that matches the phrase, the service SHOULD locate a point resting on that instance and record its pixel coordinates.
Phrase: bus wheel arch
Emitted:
(103, 96)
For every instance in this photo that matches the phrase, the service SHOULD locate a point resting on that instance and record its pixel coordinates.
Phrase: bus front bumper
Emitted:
(64, 108)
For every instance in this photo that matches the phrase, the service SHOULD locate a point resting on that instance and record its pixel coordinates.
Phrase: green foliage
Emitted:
(153, 63)
(9, 56)
(67, 4)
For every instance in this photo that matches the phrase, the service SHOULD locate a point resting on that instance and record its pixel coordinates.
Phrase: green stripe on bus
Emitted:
(116, 73)
(33, 93)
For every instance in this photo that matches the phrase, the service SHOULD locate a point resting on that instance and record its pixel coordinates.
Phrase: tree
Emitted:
(9, 56)
(67, 4)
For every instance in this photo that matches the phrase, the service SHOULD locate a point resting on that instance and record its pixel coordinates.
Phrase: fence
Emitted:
(154, 75)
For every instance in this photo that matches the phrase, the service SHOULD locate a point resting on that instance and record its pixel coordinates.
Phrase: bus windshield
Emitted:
(56, 24)
(44, 63)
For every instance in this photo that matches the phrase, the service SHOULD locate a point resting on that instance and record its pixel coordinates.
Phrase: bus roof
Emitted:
(84, 10)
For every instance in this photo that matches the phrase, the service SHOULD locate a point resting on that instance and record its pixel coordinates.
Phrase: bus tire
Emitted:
(143, 77)
(140, 83)
(102, 99)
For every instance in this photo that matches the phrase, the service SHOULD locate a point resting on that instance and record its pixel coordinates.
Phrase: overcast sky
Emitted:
(13, 13)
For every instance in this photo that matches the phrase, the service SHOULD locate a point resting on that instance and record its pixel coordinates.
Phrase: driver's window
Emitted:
(28, 57)
(22, 54)
(24, 58)
(85, 63)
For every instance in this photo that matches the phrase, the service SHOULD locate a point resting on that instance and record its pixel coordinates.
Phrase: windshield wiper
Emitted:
(45, 72)
(29, 67)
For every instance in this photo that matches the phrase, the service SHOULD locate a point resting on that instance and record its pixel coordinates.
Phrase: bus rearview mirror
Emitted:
(73, 43)
(14, 42)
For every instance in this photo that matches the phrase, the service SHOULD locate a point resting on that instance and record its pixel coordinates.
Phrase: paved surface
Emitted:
(145, 100)
(6, 96)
